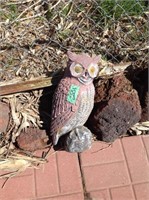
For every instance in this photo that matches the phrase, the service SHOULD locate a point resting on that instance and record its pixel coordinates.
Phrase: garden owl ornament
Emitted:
(74, 97)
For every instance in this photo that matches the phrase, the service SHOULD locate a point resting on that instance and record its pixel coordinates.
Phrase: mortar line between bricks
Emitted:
(105, 163)
(56, 195)
(145, 149)
(109, 192)
(128, 170)
(116, 186)
(35, 183)
(58, 176)
(86, 195)
(139, 183)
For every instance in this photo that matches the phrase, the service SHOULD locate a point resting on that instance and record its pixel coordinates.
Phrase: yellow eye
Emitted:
(78, 69)
(93, 70)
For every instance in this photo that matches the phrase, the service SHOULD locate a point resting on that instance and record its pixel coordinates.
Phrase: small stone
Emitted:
(78, 140)
(32, 139)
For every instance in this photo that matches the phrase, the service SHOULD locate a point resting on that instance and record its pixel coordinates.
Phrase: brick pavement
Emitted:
(117, 172)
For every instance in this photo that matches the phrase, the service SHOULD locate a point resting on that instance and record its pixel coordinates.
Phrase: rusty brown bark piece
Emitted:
(32, 139)
(23, 86)
(117, 108)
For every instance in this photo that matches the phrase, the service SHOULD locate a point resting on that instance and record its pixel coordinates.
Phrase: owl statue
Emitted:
(74, 97)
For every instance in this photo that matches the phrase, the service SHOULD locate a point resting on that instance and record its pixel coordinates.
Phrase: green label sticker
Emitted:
(73, 93)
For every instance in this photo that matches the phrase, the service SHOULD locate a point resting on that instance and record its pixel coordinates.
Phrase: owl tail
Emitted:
(55, 139)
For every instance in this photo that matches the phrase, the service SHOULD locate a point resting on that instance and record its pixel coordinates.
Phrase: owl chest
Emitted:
(85, 105)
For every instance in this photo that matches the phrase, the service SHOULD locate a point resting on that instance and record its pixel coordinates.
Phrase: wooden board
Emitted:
(22, 86)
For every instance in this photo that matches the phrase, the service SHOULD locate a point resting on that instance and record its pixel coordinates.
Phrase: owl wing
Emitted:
(63, 106)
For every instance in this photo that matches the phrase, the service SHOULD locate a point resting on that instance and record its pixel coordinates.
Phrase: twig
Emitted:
(108, 145)
(26, 18)
(7, 179)
(18, 2)
(55, 4)
(28, 8)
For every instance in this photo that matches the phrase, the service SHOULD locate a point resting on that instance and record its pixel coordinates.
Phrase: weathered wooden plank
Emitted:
(22, 86)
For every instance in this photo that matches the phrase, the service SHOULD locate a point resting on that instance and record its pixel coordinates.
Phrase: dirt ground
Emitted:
(35, 35)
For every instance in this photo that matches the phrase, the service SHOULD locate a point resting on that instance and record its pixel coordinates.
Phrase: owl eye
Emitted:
(78, 69)
(93, 70)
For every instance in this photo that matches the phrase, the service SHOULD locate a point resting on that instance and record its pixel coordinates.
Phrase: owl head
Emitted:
(83, 67)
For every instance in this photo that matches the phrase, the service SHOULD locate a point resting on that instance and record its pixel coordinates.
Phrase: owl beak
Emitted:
(85, 78)
(85, 75)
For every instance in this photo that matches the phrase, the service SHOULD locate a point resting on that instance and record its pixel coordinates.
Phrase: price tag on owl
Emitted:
(73, 93)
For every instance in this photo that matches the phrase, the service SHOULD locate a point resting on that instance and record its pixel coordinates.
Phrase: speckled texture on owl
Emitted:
(74, 97)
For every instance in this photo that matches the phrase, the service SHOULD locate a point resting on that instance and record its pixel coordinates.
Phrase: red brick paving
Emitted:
(102, 176)
(117, 172)
(122, 193)
(136, 157)
(146, 143)
(46, 179)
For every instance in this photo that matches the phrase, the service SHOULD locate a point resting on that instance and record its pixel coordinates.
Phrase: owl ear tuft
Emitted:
(72, 56)
(97, 58)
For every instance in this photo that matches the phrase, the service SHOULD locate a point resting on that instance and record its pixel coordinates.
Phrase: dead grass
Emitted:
(36, 34)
